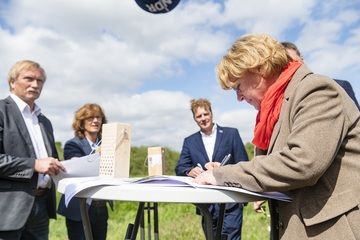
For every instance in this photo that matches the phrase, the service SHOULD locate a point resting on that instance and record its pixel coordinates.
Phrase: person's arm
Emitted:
(185, 163)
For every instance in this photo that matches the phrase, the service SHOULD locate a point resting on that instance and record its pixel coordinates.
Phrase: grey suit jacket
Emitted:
(314, 157)
(18, 181)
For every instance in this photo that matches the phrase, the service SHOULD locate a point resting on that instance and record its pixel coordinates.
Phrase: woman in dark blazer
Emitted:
(87, 127)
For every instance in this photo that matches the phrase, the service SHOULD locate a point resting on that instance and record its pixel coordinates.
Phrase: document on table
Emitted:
(76, 185)
(87, 166)
(165, 180)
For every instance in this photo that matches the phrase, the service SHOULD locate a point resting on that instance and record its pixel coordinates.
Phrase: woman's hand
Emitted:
(206, 178)
(211, 165)
(258, 205)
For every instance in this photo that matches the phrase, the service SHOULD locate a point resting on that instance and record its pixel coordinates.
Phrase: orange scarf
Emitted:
(270, 107)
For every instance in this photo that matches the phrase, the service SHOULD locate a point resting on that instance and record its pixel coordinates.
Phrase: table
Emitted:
(161, 194)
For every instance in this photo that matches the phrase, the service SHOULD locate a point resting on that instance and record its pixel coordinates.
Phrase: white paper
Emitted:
(87, 166)
(76, 185)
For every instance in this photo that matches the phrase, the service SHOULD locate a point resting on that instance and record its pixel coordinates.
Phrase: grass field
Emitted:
(176, 221)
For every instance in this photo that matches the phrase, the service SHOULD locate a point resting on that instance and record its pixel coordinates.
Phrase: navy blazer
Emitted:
(228, 140)
(75, 147)
(18, 181)
(347, 87)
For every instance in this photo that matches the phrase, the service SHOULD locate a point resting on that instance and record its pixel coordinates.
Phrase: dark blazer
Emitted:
(18, 181)
(75, 147)
(347, 87)
(228, 140)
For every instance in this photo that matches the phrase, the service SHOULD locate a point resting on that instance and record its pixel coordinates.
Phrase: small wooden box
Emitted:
(115, 150)
(156, 161)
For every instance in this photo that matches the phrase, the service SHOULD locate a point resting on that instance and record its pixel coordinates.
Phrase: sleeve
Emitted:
(185, 163)
(73, 149)
(12, 166)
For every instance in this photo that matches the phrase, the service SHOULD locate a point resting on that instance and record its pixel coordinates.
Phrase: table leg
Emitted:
(85, 219)
(156, 222)
(220, 221)
(148, 209)
(208, 220)
(142, 228)
(139, 217)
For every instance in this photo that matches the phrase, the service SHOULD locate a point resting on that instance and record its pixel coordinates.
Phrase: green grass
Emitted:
(176, 221)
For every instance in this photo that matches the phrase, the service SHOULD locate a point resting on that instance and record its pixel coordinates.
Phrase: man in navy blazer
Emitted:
(347, 87)
(296, 55)
(27, 157)
(212, 143)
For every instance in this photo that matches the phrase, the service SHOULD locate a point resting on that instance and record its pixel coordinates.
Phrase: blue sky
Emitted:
(144, 68)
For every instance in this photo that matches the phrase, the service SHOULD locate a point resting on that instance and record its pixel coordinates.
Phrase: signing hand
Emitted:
(195, 172)
(206, 178)
(48, 166)
(211, 165)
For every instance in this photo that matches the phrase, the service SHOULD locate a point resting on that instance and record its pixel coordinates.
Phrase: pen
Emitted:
(199, 165)
(225, 160)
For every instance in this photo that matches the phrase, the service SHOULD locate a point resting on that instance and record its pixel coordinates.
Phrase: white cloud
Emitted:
(144, 68)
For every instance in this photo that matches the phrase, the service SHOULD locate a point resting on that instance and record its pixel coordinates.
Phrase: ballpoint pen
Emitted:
(226, 158)
(199, 165)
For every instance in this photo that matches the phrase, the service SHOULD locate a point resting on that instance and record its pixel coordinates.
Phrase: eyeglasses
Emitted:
(90, 119)
(237, 88)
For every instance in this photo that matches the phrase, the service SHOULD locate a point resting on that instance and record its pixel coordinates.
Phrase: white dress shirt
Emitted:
(209, 142)
(32, 124)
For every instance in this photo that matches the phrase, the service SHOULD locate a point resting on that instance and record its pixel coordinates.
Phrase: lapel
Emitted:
(85, 145)
(45, 134)
(219, 137)
(18, 119)
(200, 145)
(299, 75)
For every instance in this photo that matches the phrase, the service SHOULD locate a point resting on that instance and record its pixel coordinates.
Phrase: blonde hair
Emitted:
(18, 67)
(256, 53)
(86, 111)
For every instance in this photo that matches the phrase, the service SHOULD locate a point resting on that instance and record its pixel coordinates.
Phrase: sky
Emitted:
(144, 68)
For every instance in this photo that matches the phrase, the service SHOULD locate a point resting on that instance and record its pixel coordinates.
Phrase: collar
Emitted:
(23, 106)
(212, 132)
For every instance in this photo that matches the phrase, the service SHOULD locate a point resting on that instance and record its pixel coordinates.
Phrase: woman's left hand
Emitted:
(206, 178)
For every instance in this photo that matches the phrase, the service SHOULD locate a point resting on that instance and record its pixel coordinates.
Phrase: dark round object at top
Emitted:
(157, 6)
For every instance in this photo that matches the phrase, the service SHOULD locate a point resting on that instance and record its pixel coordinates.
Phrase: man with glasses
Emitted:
(87, 126)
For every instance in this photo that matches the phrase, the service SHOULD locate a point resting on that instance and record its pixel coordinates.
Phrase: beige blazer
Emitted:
(314, 157)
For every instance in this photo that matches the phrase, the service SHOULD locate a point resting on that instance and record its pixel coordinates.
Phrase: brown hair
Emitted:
(201, 102)
(289, 45)
(86, 111)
